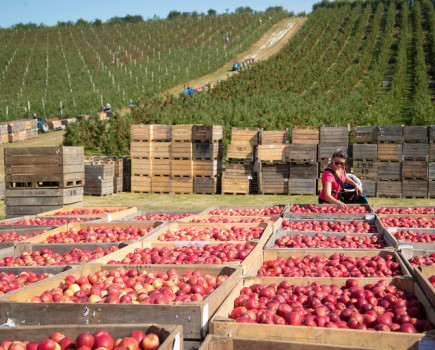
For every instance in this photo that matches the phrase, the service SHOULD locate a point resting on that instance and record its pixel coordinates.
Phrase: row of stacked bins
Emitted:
(18, 130)
(103, 175)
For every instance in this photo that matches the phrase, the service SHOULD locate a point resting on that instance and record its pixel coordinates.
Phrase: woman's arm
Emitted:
(358, 189)
(330, 198)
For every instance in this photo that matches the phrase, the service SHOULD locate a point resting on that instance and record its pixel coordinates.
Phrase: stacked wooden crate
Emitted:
(302, 155)
(42, 179)
(160, 158)
(415, 161)
(241, 178)
(389, 174)
(4, 135)
(365, 157)
(140, 151)
(17, 131)
(332, 138)
(271, 155)
(31, 127)
(181, 159)
(207, 156)
(118, 178)
(99, 174)
(431, 164)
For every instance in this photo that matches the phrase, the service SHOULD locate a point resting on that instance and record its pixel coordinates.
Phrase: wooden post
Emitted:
(60, 103)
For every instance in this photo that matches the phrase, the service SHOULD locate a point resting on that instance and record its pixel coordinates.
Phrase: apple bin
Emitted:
(170, 336)
(422, 275)
(390, 234)
(108, 213)
(32, 221)
(302, 253)
(223, 325)
(9, 235)
(327, 211)
(193, 316)
(420, 257)
(404, 210)
(275, 220)
(245, 210)
(157, 215)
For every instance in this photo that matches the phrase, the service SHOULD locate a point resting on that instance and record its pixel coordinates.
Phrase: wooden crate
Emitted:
(99, 187)
(422, 275)
(161, 150)
(414, 169)
(431, 172)
(271, 153)
(402, 245)
(279, 137)
(4, 139)
(245, 136)
(390, 133)
(432, 152)
(207, 168)
(299, 152)
(365, 134)
(181, 150)
(305, 135)
(235, 151)
(160, 185)
(304, 170)
(274, 186)
(415, 133)
(14, 137)
(16, 126)
(223, 325)
(325, 150)
(57, 124)
(3, 129)
(140, 133)
(140, 149)
(207, 133)
(241, 210)
(170, 336)
(389, 171)
(302, 186)
(161, 167)
(368, 151)
(207, 185)
(22, 210)
(161, 132)
(44, 196)
(118, 184)
(365, 169)
(54, 156)
(274, 221)
(275, 171)
(115, 212)
(369, 187)
(390, 151)
(140, 184)
(181, 133)
(289, 214)
(431, 133)
(235, 186)
(206, 150)
(334, 134)
(414, 188)
(99, 171)
(181, 168)
(193, 316)
(389, 189)
(238, 171)
(141, 167)
(182, 185)
(416, 151)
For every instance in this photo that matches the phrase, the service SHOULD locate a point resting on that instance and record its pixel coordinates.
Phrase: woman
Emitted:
(331, 187)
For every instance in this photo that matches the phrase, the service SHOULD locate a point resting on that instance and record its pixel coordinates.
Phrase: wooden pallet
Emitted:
(207, 168)
(390, 133)
(305, 135)
(271, 153)
(416, 151)
(181, 168)
(45, 181)
(367, 151)
(334, 134)
(390, 151)
(4, 139)
(300, 152)
(414, 170)
(207, 185)
(181, 133)
(181, 150)
(207, 133)
(304, 170)
(182, 185)
(389, 171)
(29, 197)
(302, 186)
(235, 186)
(365, 134)
(206, 150)
(389, 188)
(369, 187)
(415, 133)
(236, 151)
(414, 188)
(365, 169)
(245, 137)
(279, 137)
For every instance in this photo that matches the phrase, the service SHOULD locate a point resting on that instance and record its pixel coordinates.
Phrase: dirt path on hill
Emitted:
(269, 44)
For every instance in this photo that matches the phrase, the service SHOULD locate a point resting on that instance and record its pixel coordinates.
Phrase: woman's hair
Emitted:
(339, 153)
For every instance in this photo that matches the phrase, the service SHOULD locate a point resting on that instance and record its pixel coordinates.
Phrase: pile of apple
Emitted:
(327, 209)
(133, 286)
(232, 220)
(84, 212)
(322, 241)
(14, 236)
(207, 254)
(212, 234)
(337, 265)
(379, 306)
(99, 234)
(160, 217)
(10, 281)
(422, 260)
(406, 221)
(267, 211)
(354, 226)
(137, 340)
(410, 210)
(44, 221)
(432, 280)
(414, 236)
(46, 257)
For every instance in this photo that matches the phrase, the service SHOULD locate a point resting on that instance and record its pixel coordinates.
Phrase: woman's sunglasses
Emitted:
(339, 163)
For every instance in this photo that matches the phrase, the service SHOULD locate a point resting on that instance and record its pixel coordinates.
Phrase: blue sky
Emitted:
(51, 11)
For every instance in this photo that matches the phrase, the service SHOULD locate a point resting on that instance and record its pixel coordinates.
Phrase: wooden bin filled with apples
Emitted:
(147, 336)
(414, 258)
(30, 304)
(246, 210)
(46, 221)
(186, 231)
(327, 212)
(275, 220)
(157, 215)
(403, 210)
(274, 263)
(408, 237)
(10, 235)
(322, 329)
(109, 213)
(425, 277)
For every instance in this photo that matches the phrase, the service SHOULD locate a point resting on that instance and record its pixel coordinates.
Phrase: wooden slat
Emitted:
(389, 171)
(390, 151)
(305, 135)
(365, 133)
